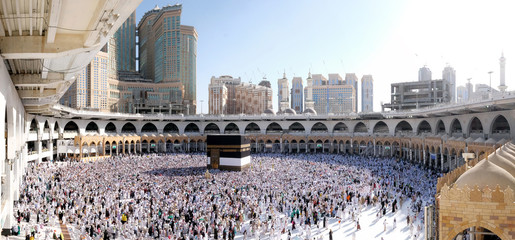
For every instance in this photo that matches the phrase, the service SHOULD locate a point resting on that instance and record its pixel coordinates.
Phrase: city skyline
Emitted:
(389, 40)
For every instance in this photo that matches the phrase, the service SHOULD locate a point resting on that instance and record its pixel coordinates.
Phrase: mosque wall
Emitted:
(12, 145)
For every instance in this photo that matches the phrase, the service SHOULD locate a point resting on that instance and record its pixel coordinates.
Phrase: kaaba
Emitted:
(228, 152)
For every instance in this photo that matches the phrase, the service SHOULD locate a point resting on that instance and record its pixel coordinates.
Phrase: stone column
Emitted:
(39, 146)
(424, 156)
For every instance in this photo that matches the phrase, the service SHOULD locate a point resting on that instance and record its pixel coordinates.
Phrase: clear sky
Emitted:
(389, 39)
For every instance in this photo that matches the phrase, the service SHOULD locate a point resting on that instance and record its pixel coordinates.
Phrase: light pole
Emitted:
(490, 73)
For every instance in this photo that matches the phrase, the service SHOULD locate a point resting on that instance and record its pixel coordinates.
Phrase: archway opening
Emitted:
(476, 128)
(149, 128)
(340, 128)
(92, 128)
(211, 129)
(252, 128)
(171, 128)
(296, 127)
(500, 128)
(128, 128)
(110, 128)
(231, 128)
(274, 128)
(360, 128)
(424, 128)
(381, 127)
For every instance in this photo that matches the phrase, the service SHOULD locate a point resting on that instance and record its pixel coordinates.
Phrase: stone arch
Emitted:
(171, 128)
(231, 128)
(92, 127)
(340, 128)
(191, 128)
(456, 128)
(360, 128)
(149, 128)
(110, 128)
(403, 127)
(381, 127)
(34, 126)
(296, 127)
(71, 126)
(274, 128)
(475, 127)
(500, 127)
(56, 127)
(440, 127)
(424, 127)
(483, 224)
(211, 128)
(319, 127)
(46, 127)
(128, 128)
(252, 128)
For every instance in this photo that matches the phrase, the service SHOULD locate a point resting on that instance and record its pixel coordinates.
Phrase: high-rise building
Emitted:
(502, 63)
(228, 95)
(308, 94)
(222, 95)
(297, 91)
(352, 79)
(332, 96)
(449, 75)
(283, 95)
(168, 50)
(367, 93)
(89, 91)
(462, 94)
(414, 95)
(126, 45)
(424, 74)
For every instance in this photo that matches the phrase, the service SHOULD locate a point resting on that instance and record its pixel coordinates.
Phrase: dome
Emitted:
(502, 159)
(490, 141)
(310, 111)
(451, 138)
(501, 142)
(289, 111)
(486, 173)
(156, 8)
(145, 135)
(269, 112)
(479, 140)
(469, 140)
(460, 139)
(509, 151)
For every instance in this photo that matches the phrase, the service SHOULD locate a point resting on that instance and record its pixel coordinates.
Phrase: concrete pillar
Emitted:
(375, 150)
(450, 161)
(441, 159)
(424, 156)
(39, 146)
(51, 149)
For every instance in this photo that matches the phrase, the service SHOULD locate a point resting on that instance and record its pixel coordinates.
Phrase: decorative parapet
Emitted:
(475, 194)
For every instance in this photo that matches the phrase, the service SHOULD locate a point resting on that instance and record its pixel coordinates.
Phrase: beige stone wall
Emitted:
(463, 208)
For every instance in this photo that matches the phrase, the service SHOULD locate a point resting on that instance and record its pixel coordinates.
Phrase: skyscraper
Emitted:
(332, 96)
(297, 91)
(89, 91)
(502, 63)
(126, 45)
(424, 74)
(308, 94)
(449, 75)
(367, 93)
(352, 79)
(283, 95)
(168, 50)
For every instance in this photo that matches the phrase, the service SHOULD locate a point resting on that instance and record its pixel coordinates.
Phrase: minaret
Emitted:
(308, 93)
(502, 62)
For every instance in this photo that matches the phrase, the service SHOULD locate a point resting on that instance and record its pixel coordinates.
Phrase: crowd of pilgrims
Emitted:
(173, 197)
